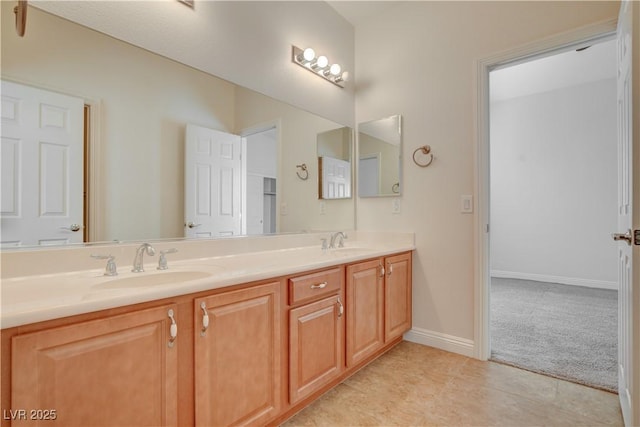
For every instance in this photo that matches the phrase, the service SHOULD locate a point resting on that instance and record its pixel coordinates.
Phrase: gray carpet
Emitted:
(568, 332)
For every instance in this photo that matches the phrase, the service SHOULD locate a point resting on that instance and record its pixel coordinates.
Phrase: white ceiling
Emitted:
(554, 72)
(358, 11)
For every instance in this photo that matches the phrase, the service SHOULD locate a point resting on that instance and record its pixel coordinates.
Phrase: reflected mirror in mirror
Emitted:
(379, 162)
(132, 109)
(334, 163)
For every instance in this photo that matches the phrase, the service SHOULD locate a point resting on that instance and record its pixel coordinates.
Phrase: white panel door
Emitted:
(336, 178)
(627, 390)
(42, 167)
(212, 183)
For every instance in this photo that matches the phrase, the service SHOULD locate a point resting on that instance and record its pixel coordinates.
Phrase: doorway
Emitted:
(553, 191)
(260, 192)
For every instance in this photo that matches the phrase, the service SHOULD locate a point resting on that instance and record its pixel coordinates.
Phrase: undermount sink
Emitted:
(350, 251)
(153, 279)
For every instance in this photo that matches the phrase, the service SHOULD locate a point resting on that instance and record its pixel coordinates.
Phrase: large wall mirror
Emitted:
(379, 161)
(135, 111)
(334, 163)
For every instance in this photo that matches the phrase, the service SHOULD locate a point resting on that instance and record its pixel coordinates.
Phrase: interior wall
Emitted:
(419, 60)
(554, 186)
(262, 154)
(245, 42)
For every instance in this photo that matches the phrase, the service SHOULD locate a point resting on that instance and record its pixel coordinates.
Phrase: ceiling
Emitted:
(359, 11)
(566, 69)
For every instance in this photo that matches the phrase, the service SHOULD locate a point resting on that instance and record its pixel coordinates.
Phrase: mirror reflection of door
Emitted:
(261, 171)
(369, 175)
(380, 139)
(212, 183)
(42, 167)
(334, 148)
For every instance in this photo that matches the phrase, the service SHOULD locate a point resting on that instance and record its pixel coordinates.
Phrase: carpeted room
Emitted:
(553, 291)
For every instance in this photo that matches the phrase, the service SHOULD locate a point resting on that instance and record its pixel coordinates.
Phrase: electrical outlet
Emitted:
(323, 207)
(466, 204)
(395, 206)
(283, 208)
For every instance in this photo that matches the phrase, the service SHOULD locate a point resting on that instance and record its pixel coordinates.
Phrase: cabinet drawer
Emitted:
(312, 286)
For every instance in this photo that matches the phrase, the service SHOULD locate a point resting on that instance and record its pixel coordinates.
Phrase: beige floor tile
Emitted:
(415, 385)
(598, 405)
(509, 379)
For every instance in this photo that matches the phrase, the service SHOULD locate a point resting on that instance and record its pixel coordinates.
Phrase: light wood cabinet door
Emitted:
(397, 296)
(316, 346)
(365, 310)
(237, 357)
(117, 371)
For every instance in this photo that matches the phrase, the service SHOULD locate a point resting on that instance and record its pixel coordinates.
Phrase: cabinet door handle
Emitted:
(340, 308)
(381, 271)
(205, 319)
(173, 329)
(390, 269)
(319, 285)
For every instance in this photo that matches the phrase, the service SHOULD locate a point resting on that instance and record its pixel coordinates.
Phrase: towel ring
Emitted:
(395, 188)
(304, 169)
(425, 150)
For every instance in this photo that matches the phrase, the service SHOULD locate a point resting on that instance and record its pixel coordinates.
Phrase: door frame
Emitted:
(562, 42)
(252, 130)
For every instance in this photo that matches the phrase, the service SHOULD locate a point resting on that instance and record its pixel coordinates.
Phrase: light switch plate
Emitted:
(395, 206)
(283, 208)
(466, 204)
(323, 207)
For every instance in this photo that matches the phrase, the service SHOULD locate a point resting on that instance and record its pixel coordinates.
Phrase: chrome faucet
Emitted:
(111, 269)
(337, 235)
(137, 261)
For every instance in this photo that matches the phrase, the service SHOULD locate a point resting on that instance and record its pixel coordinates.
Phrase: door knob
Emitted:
(73, 227)
(626, 237)
(191, 224)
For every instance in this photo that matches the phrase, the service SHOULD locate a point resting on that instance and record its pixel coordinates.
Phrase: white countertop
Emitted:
(34, 298)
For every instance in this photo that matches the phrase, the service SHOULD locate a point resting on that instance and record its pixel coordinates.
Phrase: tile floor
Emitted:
(415, 385)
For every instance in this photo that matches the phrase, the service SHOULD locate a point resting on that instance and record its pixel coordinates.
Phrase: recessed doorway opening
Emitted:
(552, 204)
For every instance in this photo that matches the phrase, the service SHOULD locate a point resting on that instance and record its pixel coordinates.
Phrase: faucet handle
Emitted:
(162, 262)
(341, 241)
(110, 269)
(325, 245)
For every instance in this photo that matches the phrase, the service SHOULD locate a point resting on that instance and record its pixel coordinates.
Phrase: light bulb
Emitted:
(342, 78)
(308, 54)
(322, 61)
(335, 70)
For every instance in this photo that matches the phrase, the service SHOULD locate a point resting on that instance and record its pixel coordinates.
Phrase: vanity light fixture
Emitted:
(319, 65)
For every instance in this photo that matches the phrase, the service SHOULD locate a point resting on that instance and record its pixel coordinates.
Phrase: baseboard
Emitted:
(442, 341)
(589, 283)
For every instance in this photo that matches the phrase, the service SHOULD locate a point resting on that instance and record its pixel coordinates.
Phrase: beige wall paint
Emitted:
(418, 60)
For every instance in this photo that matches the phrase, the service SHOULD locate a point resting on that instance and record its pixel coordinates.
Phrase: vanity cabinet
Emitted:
(237, 356)
(397, 296)
(365, 310)
(378, 304)
(316, 332)
(251, 354)
(117, 371)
